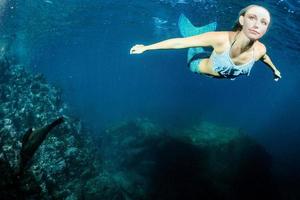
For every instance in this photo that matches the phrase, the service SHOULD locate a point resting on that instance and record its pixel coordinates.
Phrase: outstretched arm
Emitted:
(206, 39)
(267, 60)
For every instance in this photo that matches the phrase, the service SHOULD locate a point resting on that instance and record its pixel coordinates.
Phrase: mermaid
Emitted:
(234, 52)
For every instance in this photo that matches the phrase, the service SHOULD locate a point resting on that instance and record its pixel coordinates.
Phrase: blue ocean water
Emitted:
(83, 47)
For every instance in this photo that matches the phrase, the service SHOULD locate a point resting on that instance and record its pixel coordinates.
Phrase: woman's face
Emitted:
(255, 22)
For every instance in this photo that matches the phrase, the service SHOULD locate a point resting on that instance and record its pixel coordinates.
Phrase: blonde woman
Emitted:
(234, 52)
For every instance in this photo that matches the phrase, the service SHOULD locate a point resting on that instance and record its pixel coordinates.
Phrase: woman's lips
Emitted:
(253, 31)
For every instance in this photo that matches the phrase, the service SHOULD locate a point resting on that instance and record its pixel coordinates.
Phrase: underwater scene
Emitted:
(94, 106)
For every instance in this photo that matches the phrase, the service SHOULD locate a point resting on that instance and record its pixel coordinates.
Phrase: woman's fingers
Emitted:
(132, 50)
(136, 49)
(277, 78)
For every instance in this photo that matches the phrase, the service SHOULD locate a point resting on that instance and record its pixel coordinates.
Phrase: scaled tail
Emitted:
(187, 29)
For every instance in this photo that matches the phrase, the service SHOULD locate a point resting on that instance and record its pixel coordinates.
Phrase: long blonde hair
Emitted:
(237, 26)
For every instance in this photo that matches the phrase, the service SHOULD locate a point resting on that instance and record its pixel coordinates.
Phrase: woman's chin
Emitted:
(254, 37)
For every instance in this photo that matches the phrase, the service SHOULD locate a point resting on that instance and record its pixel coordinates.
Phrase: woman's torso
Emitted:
(226, 59)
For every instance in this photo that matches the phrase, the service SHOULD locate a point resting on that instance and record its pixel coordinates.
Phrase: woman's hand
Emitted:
(137, 49)
(277, 75)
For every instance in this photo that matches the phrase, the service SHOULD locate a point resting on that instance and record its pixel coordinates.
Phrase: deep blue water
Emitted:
(83, 47)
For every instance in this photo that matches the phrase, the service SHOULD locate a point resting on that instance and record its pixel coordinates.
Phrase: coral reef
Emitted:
(132, 160)
(203, 162)
(27, 101)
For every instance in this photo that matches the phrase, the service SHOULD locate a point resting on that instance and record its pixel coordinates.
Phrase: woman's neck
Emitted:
(241, 42)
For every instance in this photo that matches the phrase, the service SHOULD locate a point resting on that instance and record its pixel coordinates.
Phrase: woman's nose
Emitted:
(255, 25)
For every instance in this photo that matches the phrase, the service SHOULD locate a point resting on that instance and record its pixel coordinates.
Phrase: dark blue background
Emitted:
(83, 47)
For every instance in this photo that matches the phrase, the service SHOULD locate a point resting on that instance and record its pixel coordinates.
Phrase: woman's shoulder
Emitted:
(260, 46)
(220, 37)
(260, 49)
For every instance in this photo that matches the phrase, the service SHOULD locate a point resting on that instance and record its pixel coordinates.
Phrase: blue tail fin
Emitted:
(187, 29)
(193, 51)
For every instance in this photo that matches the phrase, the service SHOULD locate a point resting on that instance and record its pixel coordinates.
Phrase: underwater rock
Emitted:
(35, 87)
(4, 68)
(32, 140)
(202, 162)
(103, 186)
(16, 182)
(28, 101)
(131, 160)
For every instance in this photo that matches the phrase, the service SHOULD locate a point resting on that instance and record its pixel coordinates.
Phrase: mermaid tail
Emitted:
(194, 51)
(187, 29)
